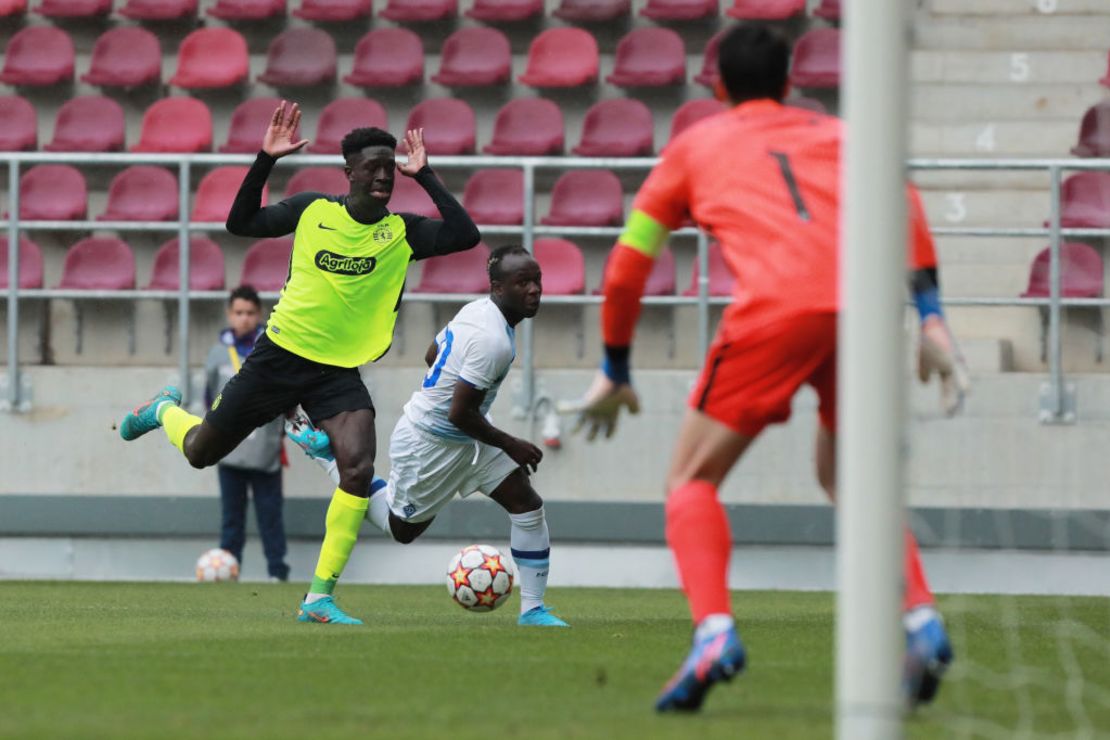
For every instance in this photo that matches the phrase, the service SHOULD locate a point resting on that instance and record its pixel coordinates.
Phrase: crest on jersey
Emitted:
(383, 234)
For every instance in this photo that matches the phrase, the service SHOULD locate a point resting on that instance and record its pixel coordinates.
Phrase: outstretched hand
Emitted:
(418, 157)
(599, 410)
(937, 353)
(280, 138)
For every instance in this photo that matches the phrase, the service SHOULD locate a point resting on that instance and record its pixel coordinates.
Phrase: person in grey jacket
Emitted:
(256, 462)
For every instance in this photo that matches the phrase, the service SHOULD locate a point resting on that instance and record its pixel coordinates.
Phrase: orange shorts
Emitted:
(750, 379)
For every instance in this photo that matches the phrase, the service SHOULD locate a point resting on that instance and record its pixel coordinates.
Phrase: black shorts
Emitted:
(273, 380)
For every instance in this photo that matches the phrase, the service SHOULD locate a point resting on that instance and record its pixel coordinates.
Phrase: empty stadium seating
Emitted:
(495, 196)
(342, 115)
(300, 57)
(649, 57)
(817, 59)
(721, 280)
(527, 126)
(450, 126)
(74, 8)
(504, 10)
(178, 124)
(770, 10)
(247, 10)
(10, 8)
(99, 263)
(38, 56)
(419, 10)
(327, 180)
(1080, 277)
(21, 127)
(90, 123)
(387, 57)
(828, 9)
(592, 11)
(1094, 132)
(53, 192)
(662, 279)
(334, 11)
(142, 193)
(561, 57)
(473, 57)
(266, 264)
(216, 192)
(459, 272)
(249, 122)
(564, 267)
(679, 10)
(159, 10)
(693, 111)
(409, 197)
(206, 265)
(586, 198)
(708, 74)
(211, 58)
(30, 265)
(125, 57)
(1085, 201)
(620, 127)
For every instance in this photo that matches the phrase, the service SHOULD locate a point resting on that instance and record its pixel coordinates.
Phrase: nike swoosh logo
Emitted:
(326, 228)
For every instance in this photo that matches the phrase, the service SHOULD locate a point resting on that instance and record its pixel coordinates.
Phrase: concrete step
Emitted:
(1047, 10)
(988, 139)
(1018, 66)
(1031, 31)
(988, 356)
(958, 103)
(1002, 208)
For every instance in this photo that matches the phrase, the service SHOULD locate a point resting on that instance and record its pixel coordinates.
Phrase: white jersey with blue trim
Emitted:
(476, 347)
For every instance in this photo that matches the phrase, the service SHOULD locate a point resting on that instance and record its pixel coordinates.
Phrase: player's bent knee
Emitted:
(356, 477)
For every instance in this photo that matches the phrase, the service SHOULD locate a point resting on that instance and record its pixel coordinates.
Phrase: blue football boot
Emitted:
(540, 616)
(315, 442)
(145, 417)
(714, 658)
(928, 655)
(324, 611)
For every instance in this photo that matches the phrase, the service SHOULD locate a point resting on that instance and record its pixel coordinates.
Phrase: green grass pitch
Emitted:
(106, 660)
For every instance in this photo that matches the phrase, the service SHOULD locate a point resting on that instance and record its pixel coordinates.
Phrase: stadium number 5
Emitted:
(791, 184)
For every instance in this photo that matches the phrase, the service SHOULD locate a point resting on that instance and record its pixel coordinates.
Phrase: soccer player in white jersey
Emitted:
(445, 442)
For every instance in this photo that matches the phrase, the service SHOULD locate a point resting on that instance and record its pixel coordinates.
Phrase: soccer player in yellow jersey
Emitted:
(336, 311)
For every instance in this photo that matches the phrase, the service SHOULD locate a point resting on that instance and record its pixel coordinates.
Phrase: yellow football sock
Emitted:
(177, 422)
(345, 515)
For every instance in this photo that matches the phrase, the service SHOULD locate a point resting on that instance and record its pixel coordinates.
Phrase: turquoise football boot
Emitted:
(145, 417)
(540, 616)
(315, 442)
(324, 611)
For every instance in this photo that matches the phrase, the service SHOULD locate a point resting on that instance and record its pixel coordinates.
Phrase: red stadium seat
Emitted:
(475, 56)
(99, 263)
(766, 10)
(649, 57)
(527, 126)
(592, 11)
(216, 192)
(334, 11)
(1085, 201)
(247, 10)
(206, 265)
(30, 265)
(327, 180)
(662, 279)
(1080, 272)
(125, 57)
(564, 267)
(693, 111)
(38, 56)
(619, 127)
(458, 272)
(829, 10)
(586, 198)
(10, 8)
(74, 8)
(211, 58)
(1105, 79)
(450, 126)
(561, 57)
(340, 116)
(810, 104)
(1094, 132)
(90, 123)
(817, 59)
(19, 124)
(409, 197)
(300, 57)
(721, 280)
(249, 122)
(495, 196)
(159, 10)
(53, 192)
(420, 10)
(266, 264)
(679, 10)
(142, 193)
(179, 124)
(387, 57)
(708, 75)
(505, 10)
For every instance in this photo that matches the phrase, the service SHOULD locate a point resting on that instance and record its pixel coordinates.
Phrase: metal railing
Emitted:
(1058, 401)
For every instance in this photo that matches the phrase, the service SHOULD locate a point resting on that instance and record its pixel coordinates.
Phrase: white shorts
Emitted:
(427, 471)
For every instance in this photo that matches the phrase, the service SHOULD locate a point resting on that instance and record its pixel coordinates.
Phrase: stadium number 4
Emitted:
(791, 184)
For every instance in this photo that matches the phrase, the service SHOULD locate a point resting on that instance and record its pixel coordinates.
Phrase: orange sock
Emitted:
(917, 587)
(699, 538)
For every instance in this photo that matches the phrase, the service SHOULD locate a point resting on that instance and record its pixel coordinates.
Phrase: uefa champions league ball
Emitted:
(479, 578)
(217, 565)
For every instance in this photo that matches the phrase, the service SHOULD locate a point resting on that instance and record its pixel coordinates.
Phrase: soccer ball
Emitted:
(479, 578)
(217, 565)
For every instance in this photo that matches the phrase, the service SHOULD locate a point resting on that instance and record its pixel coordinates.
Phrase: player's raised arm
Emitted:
(429, 237)
(247, 216)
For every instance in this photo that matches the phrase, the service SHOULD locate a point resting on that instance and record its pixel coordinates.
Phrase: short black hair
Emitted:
(493, 266)
(754, 62)
(245, 293)
(360, 138)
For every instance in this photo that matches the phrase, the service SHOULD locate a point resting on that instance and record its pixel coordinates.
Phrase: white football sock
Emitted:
(918, 617)
(713, 624)
(377, 513)
(531, 549)
(331, 467)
